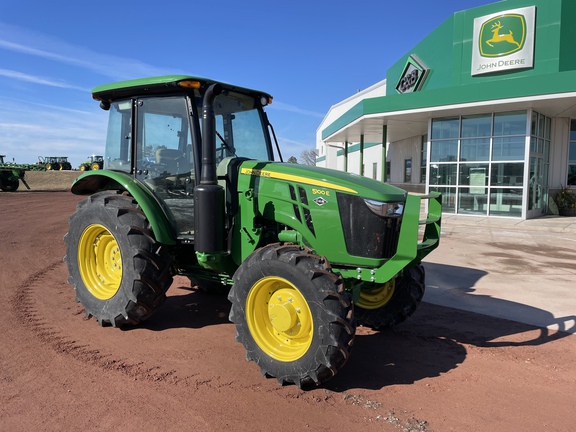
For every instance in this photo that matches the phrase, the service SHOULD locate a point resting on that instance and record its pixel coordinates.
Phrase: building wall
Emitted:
(372, 154)
(329, 152)
(398, 152)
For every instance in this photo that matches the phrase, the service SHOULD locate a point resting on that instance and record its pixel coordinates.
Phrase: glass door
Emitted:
(539, 165)
(537, 187)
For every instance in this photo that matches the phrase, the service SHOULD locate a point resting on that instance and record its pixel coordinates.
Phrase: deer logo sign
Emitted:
(505, 37)
(502, 35)
(503, 41)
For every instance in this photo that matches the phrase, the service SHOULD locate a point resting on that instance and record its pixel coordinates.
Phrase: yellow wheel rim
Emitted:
(82, 167)
(378, 297)
(279, 319)
(95, 166)
(100, 262)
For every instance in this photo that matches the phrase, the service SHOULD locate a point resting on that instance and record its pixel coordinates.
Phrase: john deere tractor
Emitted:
(55, 163)
(190, 186)
(94, 162)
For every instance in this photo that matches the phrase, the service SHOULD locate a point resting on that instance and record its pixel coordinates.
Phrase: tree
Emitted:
(308, 157)
(292, 159)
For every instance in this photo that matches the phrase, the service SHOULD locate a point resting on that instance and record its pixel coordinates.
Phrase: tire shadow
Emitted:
(433, 341)
(187, 307)
(453, 286)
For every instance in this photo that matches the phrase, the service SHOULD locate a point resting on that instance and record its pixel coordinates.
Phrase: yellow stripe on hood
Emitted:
(295, 178)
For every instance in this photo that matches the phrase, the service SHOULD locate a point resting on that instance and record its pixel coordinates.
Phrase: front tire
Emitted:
(392, 303)
(292, 315)
(118, 270)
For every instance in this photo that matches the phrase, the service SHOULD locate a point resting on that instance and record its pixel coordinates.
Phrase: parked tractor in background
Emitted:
(55, 163)
(93, 163)
(190, 187)
(11, 174)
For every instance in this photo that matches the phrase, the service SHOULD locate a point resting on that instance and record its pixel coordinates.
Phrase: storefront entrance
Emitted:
(480, 165)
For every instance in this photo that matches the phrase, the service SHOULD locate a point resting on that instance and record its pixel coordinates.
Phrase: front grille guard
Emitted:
(418, 237)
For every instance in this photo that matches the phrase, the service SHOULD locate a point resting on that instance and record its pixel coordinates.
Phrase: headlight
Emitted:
(385, 209)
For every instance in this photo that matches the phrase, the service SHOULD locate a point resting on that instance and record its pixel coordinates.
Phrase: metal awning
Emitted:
(409, 123)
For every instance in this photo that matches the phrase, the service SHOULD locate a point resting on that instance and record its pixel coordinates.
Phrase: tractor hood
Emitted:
(324, 178)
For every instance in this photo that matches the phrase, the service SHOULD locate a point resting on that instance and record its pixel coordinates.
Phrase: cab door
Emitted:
(164, 157)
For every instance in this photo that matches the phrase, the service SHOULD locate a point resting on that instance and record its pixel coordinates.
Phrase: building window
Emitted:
(388, 166)
(374, 170)
(571, 180)
(477, 162)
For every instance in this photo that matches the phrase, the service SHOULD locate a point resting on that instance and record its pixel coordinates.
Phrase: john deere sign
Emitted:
(413, 76)
(503, 41)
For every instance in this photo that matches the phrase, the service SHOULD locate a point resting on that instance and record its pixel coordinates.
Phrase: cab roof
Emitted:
(162, 85)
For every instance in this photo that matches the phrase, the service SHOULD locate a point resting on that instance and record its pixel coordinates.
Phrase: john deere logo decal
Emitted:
(504, 41)
(502, 35)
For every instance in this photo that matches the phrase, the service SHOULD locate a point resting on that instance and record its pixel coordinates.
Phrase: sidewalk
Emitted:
(524, 271)
(547, 223)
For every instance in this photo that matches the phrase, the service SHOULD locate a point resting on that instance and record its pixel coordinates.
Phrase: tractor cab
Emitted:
(157, 139)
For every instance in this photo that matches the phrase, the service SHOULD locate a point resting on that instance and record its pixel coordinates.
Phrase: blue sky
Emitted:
(308, 54)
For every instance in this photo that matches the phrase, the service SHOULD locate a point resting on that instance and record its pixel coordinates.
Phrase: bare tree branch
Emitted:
(308, 157)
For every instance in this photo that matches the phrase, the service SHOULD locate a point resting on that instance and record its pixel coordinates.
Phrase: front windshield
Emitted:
(240, 128)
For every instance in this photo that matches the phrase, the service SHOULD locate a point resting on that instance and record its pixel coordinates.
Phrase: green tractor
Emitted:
(55, 163)
(190, 187)
(11, 174)
(94, 163)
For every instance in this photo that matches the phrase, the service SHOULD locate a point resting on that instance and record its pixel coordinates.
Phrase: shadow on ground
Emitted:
(454, 286)
(430, 343)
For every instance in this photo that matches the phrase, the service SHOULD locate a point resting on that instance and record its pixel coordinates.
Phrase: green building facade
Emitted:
(483, 109)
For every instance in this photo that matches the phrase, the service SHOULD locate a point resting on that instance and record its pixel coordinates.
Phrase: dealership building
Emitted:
(482, 110)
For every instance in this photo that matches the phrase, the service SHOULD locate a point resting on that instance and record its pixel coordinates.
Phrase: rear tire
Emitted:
(9, 184)
(118, 270)
(292, 315)
(398, 305)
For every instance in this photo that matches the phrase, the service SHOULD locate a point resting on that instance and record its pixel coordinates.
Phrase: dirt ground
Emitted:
(443, 370)
(49, 180)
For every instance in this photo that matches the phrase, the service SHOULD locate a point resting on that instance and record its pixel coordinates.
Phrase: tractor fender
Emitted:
(95, 181)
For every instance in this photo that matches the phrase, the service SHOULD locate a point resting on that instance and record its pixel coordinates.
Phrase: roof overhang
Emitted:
(408, 123)
(408, 115)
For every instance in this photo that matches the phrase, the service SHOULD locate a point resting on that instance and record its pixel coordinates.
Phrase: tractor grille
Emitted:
(366, 234)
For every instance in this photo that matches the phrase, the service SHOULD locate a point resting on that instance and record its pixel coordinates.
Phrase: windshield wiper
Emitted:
(226, 144)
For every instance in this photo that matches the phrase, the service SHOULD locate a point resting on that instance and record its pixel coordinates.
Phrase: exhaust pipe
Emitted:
(209, 195)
